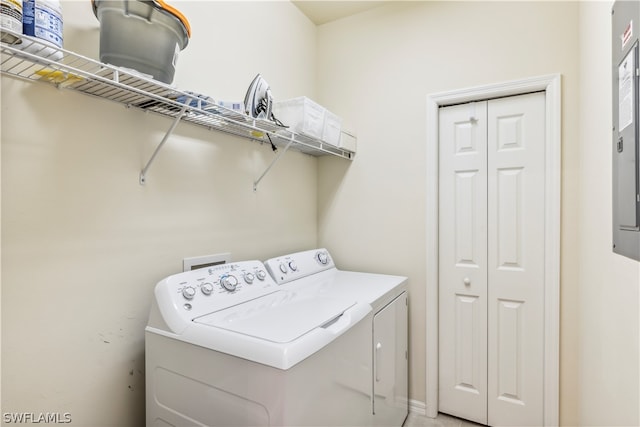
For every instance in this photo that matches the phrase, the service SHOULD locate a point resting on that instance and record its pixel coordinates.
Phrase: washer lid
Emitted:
(279, 317)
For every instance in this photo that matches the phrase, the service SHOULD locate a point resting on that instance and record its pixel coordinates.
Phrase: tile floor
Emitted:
(442, 420)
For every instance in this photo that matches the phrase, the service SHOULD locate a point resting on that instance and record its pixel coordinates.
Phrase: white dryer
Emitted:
(387, 384)
(231, 346)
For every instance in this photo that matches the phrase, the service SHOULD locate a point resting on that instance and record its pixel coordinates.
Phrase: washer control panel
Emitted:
(208, 289)
(294, 266)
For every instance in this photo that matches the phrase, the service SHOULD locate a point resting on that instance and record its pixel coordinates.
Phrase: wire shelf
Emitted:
(28, 59)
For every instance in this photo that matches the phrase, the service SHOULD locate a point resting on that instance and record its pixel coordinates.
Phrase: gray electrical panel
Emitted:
(626, 122)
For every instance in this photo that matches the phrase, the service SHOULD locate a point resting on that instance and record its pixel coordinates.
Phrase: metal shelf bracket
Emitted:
(257, 181)
(143, 173)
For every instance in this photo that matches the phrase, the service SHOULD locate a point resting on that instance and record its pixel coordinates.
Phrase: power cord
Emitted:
(262, 108)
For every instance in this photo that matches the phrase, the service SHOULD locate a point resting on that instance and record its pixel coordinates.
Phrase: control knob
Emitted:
(283, 267)
(322, 257)
(229, 282)
(206, 288)
(189, 292)
(249, 278)
(261, 274)
(293, 266)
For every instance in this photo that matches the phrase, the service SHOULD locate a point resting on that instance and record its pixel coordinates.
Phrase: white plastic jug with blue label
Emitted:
(43, 19)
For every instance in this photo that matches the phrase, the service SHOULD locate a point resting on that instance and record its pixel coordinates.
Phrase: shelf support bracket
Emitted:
(257, 181)
(143, 173)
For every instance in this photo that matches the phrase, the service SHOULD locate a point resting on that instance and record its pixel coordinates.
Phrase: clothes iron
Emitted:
(258, 100)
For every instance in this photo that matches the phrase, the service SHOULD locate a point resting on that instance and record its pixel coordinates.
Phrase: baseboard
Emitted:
(417, 408)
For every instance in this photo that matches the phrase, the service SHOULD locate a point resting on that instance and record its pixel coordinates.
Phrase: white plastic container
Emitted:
(331, 128)
(42, 19)
(10, 19)
(302, 115)
(348, 141)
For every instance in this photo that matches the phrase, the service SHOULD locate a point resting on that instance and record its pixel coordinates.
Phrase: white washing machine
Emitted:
(231, 346)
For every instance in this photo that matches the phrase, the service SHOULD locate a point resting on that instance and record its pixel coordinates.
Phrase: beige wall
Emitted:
(83, 244)
(608, 299)
(376, 69)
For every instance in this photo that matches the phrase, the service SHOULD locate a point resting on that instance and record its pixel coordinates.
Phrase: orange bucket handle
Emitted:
(172, 10)
(176, 13)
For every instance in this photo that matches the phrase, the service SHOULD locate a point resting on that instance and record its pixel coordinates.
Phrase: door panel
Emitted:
(466, 248)
(516, 132)
(466, 369)
(509, 222)
(390, 361)
(463, 262)
(509, 351)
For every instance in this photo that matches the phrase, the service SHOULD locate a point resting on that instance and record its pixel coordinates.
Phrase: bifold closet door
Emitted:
(491, 260)
(516, 133)
(463, 262)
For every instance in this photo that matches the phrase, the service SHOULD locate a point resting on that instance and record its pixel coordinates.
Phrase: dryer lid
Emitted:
(279, 317)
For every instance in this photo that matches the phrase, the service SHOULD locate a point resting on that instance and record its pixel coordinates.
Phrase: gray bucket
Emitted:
(141, 35)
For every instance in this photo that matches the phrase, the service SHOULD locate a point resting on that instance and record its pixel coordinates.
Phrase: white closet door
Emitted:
(491, 260)
(463, 261)
(516, 132)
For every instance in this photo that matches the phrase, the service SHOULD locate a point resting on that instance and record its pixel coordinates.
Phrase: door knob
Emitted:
(466, 281)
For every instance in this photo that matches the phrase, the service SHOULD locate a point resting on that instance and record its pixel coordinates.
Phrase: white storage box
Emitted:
(347, 141)
(302, 115)
(331, 128)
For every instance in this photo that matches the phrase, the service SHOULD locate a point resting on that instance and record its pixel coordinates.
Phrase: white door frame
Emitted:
(551, 85)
